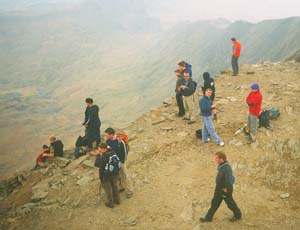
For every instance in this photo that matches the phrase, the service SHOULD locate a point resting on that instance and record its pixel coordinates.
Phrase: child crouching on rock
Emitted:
(109, 166)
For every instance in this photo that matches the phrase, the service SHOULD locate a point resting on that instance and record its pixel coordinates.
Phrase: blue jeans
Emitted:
(209, 129)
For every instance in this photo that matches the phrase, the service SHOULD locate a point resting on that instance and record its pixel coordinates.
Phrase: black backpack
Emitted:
(195, 85)
(264, 119)
(199, 133)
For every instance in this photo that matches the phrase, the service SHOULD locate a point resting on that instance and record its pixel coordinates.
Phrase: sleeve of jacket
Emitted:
(251, 101)
(190, 89)
(86, 116)
(94, 114)
(98, 161)
(228, 178)
(121, 152)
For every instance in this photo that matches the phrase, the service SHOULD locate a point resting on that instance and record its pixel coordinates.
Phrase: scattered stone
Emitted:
(182, 134)
(167, 102)
(88, 164)
(167, 128)
(284, 195)
(159, 121)
(132, 221)
(187, 214)
(77, 162)
(5, 206)
(231, 99)
(9, 185)
(40, 191)
(250, 72)
(84, 180)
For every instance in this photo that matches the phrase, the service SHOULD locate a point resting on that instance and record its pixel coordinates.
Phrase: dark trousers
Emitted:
(179, 100)
(110, 186)
(219, 196)
(235, 65)
(93, 134)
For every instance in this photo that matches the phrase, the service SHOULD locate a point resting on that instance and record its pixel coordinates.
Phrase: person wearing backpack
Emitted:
(208, 128)
(223, 190)
(183, 65)
(254, 101)
(56, 148)
(92, 123)
(188, 89)
(106, 161)
(179, 97)
(121, 148)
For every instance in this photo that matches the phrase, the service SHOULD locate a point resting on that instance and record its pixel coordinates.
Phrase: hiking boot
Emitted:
(205, 219)
(215, 117)
(191, 122)
(180, 114)
(109, 205)
(234, 219)
(186, 119)
(222, 144)
(250, 141)
(117, 202)
(121, 189)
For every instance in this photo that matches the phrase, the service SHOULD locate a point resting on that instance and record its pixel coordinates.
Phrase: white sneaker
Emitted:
(222, 144)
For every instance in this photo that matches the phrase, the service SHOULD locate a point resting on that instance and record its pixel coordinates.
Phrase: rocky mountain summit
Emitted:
(173, 171)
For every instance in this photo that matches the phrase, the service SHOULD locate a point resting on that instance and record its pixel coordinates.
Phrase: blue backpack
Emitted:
(113, 165)
(189, 68)
(232, 175)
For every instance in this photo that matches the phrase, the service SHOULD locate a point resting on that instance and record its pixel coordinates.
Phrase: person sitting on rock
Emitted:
(42, 157)
(56, 148)
(208, 128)
(254, 101)
(187, 89)
(209, 82)
(179, 98)
(108, 180)
(119, 146)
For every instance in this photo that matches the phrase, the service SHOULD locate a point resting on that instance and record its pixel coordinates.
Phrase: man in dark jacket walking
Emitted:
(208, 128)
(108, 180)
(179, 97)
(92, 123)
(223, 190)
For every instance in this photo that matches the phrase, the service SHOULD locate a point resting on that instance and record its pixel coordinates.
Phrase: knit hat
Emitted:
(255, 86)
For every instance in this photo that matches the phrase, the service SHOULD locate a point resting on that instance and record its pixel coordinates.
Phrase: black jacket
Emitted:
(189, 89)
(120, 148)
(57, 148)
(101, 161)
(92, 116)
(224, 177)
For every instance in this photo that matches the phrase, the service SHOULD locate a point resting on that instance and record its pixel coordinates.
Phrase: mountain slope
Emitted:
(173, 172)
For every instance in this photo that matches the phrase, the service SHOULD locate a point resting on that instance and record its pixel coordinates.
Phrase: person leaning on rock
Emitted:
(223, 191)
(108, 180)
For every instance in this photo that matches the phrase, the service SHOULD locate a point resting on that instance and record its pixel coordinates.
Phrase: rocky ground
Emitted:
(173, 172)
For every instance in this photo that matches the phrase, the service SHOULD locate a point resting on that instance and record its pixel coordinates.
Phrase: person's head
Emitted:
(102, 148)
(206, 76)
(254, 87)
(177, 72)
(208, 92)
(110, 133)
(45, 147)
(181, 65)
(186, 75)
(233, 40)
(220, 157)
(89, 102)
(52, 139)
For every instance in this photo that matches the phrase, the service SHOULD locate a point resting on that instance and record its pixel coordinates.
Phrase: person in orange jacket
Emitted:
(236, 52)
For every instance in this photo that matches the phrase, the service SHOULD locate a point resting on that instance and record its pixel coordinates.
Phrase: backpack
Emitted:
(199, 133)
(274, 113)
(79, 151)
(113, 165)
(232, 175)
(264, 119)
(124, 137)
(189, 68)
(81, 141)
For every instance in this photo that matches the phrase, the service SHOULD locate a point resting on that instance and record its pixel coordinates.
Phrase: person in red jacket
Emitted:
(254, 101)
(236, 52)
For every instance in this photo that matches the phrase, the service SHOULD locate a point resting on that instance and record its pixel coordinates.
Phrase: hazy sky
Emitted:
(250, 10)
